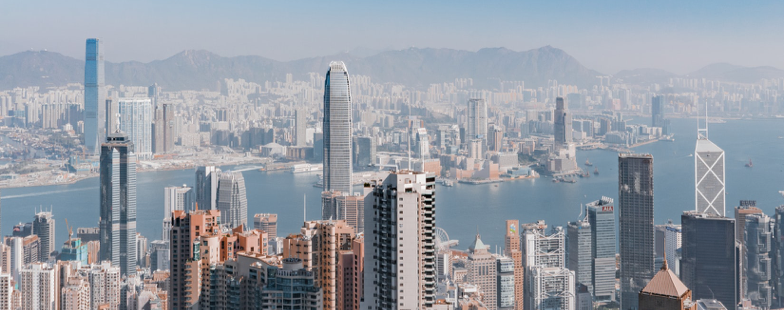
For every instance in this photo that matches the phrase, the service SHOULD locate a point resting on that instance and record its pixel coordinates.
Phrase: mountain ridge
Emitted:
(414, 67)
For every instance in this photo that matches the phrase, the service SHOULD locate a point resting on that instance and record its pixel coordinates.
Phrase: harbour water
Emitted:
(462, 210)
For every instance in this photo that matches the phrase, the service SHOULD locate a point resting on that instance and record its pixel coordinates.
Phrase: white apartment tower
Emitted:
(136, 121)
(39, 285)
(400, 271)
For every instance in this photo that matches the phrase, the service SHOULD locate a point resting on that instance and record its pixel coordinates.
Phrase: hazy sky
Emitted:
(679, 36)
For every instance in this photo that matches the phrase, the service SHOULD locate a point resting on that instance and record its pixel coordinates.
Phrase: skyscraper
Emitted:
(635, 220)
(118, 203)
(207, 187)
(232, 199)
(268, 222)
(579, 252)
(43, 227)
(657, 111)
(482, 272)
(709, 176)
(163, 127)
(548, 283)
(601, 216)
(778, 257)
(337, 129)
(400, 271)
(505, 285)
(709, 257)
(562, 122)
(301, 123)
(136, 122)
(185, 256)
(512, 249)
(94, 97)
(175, 198)
(40, 288)
(758, 265)
(476, 127)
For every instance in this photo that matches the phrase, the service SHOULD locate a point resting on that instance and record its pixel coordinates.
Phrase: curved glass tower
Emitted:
(337, 129)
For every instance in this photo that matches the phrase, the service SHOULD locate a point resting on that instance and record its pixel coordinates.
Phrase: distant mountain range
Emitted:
(413, 67)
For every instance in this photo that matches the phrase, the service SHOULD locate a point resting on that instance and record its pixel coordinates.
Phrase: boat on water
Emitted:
(571, 180)
(596, 171)
(588, 163)
(749, 164)
(556, 180)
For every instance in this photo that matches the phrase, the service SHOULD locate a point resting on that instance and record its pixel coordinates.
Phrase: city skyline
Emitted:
(647, 31)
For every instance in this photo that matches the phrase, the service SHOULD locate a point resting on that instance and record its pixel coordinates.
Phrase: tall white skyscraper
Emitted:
(337, 129)
(708, 175)
(232, 199)
(476, 126)
(94, 97)
(39, 287)
(400, 270)
(136, 122)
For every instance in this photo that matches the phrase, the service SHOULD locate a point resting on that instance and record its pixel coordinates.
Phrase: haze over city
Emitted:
(607, 36)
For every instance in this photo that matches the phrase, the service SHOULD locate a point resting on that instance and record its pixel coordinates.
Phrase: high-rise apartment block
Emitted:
(118, 202)
(268, 222)
(163, 127)
(40, 287)
(319, 245)
(400, 271)
(339, 206)
(207, 187)
(232, 199)
(337, 129)
(635, 221)
(44, 228)
(301, 125)
(136, 122)
(94, 97)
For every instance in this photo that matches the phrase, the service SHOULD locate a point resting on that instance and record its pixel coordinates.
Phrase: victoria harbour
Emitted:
(463, 210)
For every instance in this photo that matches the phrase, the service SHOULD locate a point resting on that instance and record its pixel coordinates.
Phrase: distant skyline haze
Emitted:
(607, 36)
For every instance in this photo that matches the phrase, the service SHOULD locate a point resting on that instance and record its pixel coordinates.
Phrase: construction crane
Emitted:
(70, 230)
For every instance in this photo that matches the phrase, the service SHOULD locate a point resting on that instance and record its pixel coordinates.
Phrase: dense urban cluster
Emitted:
(382, 150)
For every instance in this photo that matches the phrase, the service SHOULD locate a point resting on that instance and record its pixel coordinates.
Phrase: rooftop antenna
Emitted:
(408, 136)
(304, 208)
(702, 133)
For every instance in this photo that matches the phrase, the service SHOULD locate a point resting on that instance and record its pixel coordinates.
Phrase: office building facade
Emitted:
(482, 272)
(635, 221)
(709, 257)
(579, 252)
(512, 250)
(562, 122)
(44, 228)
(337, 129)
(232, 199)
(476, 126)
(601, 217)
(118, 203)
(207, 187)
(758, 264)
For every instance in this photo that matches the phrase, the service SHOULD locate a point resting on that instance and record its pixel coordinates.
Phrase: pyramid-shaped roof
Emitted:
(665, 282)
